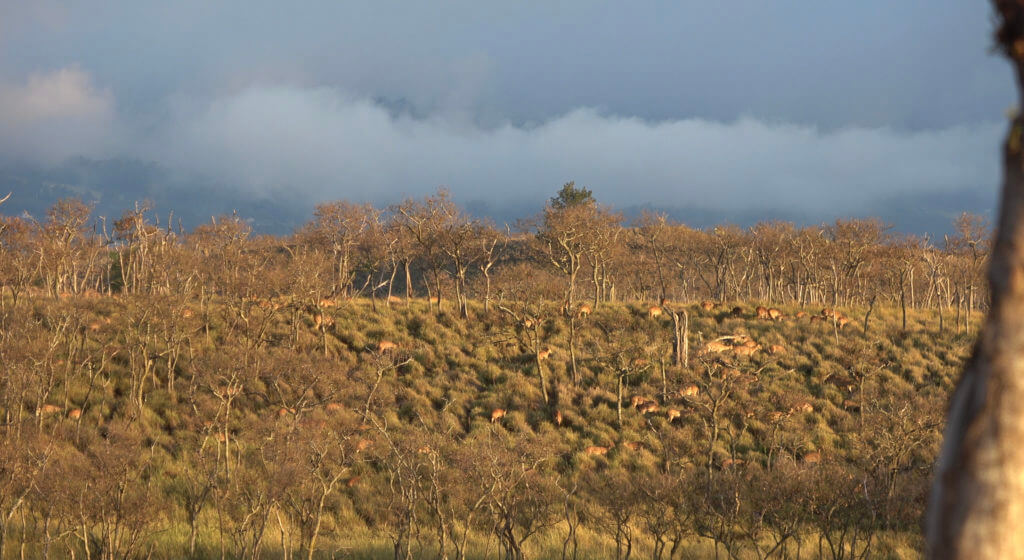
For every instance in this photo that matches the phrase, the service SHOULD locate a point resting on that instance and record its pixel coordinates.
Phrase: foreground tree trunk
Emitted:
(977, 503)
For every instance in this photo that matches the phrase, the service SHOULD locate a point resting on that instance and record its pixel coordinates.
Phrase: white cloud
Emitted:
(55, 115)
(322, 143)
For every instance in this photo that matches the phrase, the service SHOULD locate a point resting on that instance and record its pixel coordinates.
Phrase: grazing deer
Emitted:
(842, 321)
(776, 416)
(829, 313)
(584, 310)
(673, 413)
(558, 417)
(803, 407)
(690, 390)
(75, 413)
(598, 449)
(321, 320)
(363, 445)
(48, 410)
(633, 445)
(654, 312)
(762, 312)
(746, 350)
(776, 349)
(649, 407)
(386, 346)
(715, 347)
(811, 458)
(544, 354)
(497, 414)
(334, 407)
(775, 314)
(707, 305)
(637, 401)
(353, 481)
(326, 302)
(801, 314)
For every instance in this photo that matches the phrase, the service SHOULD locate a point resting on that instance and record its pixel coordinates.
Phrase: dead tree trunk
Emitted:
(977, 502)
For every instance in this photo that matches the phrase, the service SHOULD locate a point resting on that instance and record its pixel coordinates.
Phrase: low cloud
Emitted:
(320, 143)
(54, 115)
(325, 144)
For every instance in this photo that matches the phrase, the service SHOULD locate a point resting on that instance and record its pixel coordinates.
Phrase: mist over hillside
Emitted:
(115, 185)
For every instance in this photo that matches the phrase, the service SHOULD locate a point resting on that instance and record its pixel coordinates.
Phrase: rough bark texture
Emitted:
(977, 505)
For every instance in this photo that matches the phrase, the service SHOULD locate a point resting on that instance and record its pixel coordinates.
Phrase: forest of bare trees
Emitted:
(413, 382)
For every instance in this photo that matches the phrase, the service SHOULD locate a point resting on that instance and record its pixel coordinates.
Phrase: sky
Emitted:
(806, 109)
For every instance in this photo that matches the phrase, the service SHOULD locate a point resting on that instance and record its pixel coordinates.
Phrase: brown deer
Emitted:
(584, 310)
(637, 401)
(353, 481)
(776, 349)
(363, 444)
(672, 414)
(811, 458)
(75, 413)
(842, 321)
(775, 314)
(334, 407)
(654, 312)
(48, 410)
(649, 407)
(690, 390)
(803, 407)
(817, 318)
(544, 354)
(424, 450)
(746, 350)
(737, 311)
(598, 449)
(633, 445)
(707, 305)
(321, 320)
(730, 463)
(801, 314)
(497, 414)
(715, 347)
(386, 346)
(762, 312)
(187, 313)
(558, 417)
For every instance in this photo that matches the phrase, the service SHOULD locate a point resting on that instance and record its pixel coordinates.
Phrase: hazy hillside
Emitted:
(115, 185)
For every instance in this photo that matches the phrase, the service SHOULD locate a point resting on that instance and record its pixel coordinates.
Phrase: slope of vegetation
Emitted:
(261, 440)
(218, 395)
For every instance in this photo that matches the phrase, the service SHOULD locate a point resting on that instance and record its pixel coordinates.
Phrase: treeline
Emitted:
(565, 391)
(431, 247)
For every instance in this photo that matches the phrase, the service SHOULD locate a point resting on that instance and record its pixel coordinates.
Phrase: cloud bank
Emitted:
(324, 143)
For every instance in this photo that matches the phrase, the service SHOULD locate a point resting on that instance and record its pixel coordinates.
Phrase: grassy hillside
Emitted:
(261, 427)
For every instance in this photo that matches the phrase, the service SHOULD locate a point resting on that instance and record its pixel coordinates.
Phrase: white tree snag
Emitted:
(977, 502)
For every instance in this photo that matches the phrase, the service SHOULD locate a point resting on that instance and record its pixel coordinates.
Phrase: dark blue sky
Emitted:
(806, 108)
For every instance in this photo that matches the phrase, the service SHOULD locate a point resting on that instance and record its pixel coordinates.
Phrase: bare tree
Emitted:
(977, 503)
